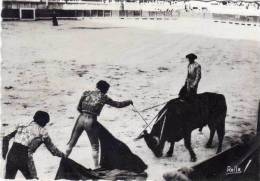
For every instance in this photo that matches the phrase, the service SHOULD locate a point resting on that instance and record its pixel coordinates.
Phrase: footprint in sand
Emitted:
(69, 93)
(38, 62)
(5, 124)
(13, 97)
(9, 87)
(24, 105)
(161, 69)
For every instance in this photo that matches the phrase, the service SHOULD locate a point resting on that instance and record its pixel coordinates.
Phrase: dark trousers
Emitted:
(188, 95)
(185, 94)
(18, 159)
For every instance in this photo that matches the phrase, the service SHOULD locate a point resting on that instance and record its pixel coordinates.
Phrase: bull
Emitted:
(178, 118)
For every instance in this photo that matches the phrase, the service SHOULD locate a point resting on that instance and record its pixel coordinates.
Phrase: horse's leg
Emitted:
(221, 133)
(212, 133)
(187, 143)
(170, 152)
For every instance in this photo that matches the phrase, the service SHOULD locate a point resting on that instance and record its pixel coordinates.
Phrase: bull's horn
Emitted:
(142, 135)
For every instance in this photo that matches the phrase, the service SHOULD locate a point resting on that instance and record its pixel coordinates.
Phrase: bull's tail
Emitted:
(220, 109)
(218, 117)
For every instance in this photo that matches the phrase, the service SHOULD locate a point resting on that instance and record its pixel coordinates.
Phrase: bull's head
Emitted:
(152, 142)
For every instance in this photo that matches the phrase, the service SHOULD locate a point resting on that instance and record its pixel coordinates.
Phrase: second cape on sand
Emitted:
(115, 154)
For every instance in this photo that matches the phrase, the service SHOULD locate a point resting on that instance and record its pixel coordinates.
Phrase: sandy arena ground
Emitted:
(49, 67)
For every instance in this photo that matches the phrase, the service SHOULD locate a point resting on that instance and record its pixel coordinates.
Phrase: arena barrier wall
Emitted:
(13, 13)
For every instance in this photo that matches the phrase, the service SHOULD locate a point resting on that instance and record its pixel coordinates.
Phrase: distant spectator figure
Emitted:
(186, 9)
(27, 138)
(90, 106)
(54, 20)
(193, 77)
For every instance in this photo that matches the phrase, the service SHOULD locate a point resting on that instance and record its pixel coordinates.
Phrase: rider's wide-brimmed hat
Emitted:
(191, 56)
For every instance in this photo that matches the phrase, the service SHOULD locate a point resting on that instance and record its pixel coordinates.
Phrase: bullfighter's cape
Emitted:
(71, 170)
(114, 155)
